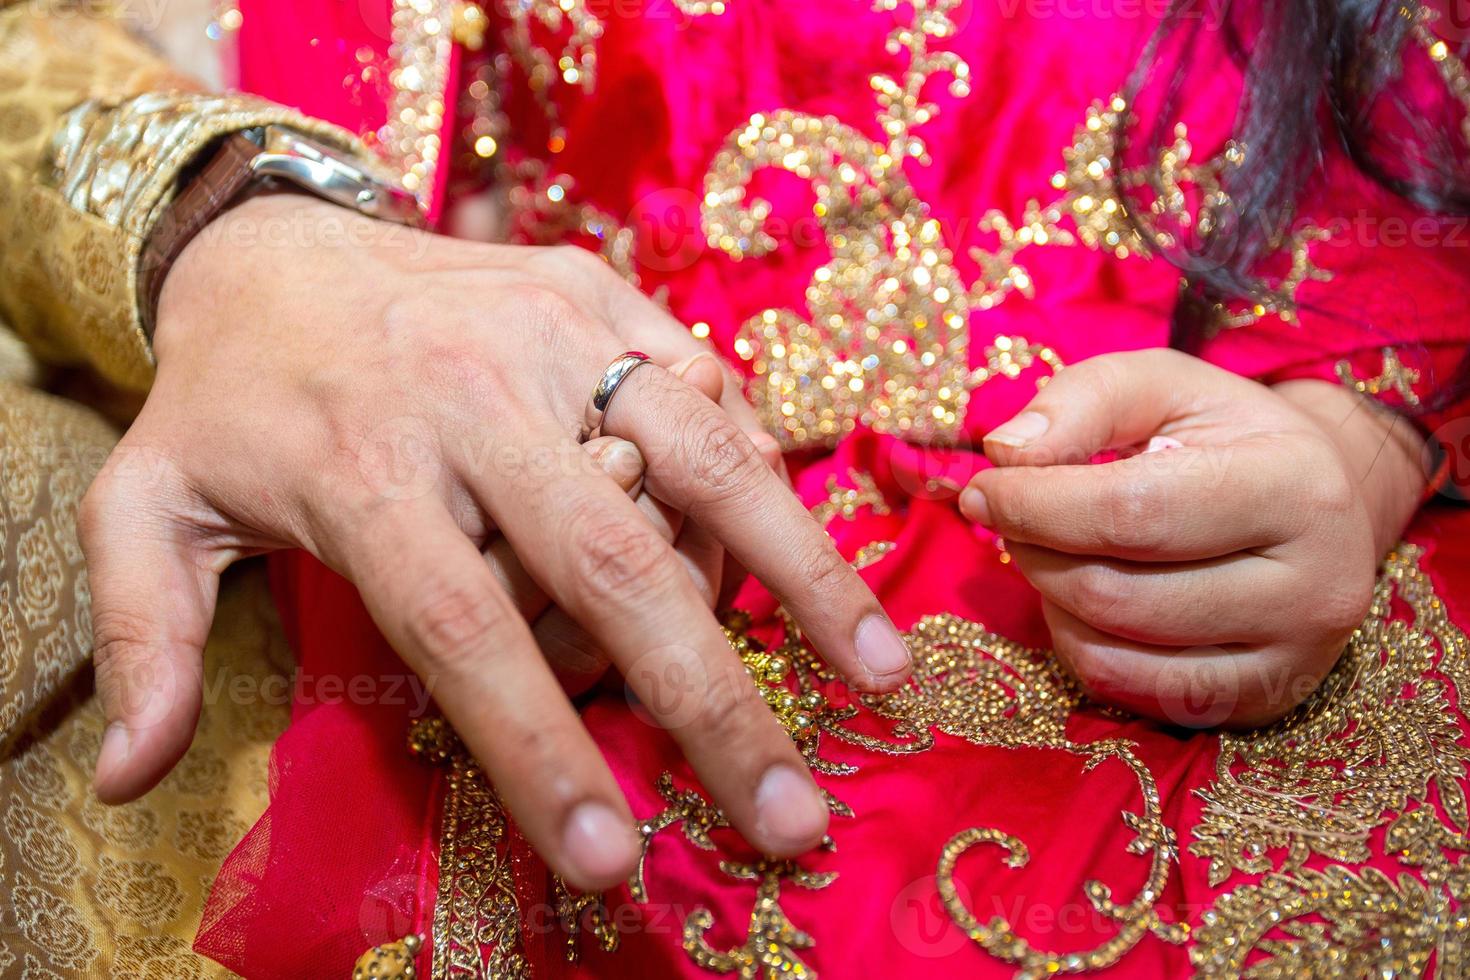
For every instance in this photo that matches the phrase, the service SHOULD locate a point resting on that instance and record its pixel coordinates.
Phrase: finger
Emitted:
(615, 457)
(600, 560)
(152, 604)
(1197, 687)
(699, 461)
(1185, 504)
(1217, 600)
(431, 593)
(662, 337)
(575, 657)
(704, 558)
(1108, 402)
(705, 373)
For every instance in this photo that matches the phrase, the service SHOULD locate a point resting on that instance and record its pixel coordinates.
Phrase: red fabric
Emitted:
(346, 856)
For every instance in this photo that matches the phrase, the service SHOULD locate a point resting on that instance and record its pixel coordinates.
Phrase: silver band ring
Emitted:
(602, 396)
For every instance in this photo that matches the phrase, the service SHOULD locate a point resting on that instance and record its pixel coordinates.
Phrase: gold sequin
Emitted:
(421, 52)
(1395, 376)
(772, 943)
(845, 502)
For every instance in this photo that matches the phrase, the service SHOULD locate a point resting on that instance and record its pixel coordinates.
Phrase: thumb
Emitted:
(1108, 402)
(152, 605)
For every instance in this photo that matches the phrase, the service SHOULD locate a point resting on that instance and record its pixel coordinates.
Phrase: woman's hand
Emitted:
(1212, 583)
(385, 399)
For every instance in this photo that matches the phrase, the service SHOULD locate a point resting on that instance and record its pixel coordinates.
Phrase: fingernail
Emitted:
(1159, 443)
(116, 746)
(682, 368)
(880, 648)
(974, 506)
(623, 462)
(599, 843)
(768, 447)
(789, 811)
(1024, 428)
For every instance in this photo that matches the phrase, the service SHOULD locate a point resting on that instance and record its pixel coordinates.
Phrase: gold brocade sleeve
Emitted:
(95, 130)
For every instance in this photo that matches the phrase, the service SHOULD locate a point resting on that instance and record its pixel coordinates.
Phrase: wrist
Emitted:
(1382, 451)
(244, 248)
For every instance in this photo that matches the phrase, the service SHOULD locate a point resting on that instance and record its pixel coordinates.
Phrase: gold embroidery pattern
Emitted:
(772, 943)
(845, 502)
(975, 685)
(883, 343)
(476, 917)
(1395, 377)
(583, 913)
(1348, 778)
(970, 684)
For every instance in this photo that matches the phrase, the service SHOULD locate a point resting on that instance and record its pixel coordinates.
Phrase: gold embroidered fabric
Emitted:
(94, 891)
(1352, 776)
(476, 918)
(49, 451)
(94, 132)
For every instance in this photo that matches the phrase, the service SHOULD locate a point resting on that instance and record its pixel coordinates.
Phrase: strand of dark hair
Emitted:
(1315, 71)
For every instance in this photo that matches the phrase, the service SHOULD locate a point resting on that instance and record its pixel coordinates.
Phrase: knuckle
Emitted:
(1333, 493)
(118, 637)
(618, 559)
(825, 573)
(725, 456)
(1132, 515)
(1099, 594)
(92, 512)
(725, 718)
(1340, 608)
(450, 624)
(553, 312)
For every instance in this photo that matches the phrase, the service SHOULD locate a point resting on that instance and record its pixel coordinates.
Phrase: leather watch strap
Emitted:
(211, 192)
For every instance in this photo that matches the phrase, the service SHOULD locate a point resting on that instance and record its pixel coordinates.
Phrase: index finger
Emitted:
(699, 461)
(1181, 505)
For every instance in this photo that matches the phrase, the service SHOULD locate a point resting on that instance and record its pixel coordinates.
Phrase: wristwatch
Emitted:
(260, 159)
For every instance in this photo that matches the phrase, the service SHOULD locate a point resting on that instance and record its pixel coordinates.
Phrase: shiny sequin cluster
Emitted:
(882, 342)
(772, 946)
(423, 44)
(845, 502)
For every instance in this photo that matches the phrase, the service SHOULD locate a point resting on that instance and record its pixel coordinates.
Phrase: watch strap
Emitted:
(209, 194)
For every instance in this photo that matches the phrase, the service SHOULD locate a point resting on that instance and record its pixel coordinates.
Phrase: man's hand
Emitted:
(387, 399)
(1213, 583)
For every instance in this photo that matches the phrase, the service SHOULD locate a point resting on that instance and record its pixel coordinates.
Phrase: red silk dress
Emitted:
(898, 219)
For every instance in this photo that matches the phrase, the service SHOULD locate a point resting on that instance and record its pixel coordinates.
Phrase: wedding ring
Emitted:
(602, 396)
